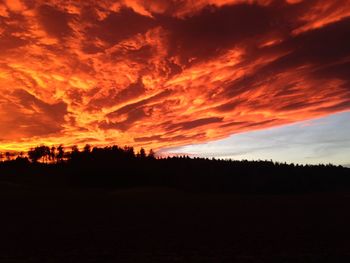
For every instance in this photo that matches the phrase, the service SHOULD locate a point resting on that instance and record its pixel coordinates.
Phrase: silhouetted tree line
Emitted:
(115, 166)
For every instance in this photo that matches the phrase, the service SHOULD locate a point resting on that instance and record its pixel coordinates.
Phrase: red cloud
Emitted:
(167, 73)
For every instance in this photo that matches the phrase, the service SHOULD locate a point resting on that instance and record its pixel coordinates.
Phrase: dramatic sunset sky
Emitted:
(165, 74)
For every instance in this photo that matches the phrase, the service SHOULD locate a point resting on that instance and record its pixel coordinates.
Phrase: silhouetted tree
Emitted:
(151, 154)
(129, 152)
(40, 152)
(75, 149)
(45, 151)
(1, 156)
(34, 154)
(8, 156)
(75, 152)
(53, 153)
(60, 153)
(87, 149)
(142, 153)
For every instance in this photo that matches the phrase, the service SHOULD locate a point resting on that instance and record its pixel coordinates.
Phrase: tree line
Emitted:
(115, 166)
(59, 154)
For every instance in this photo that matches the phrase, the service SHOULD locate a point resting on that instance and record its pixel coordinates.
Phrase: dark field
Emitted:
(165, 225)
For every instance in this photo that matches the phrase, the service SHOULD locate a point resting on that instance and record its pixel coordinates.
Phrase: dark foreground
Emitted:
(165, 225)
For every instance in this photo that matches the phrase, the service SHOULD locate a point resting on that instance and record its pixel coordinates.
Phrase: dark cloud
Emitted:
(188, 125)
(234, 124)
(132, 116)
(261, 123)
(29, 101)
(10, 33)
(298, 105)
(319, 47)
(116, 97)
(27, 115)
(148, 139)
(8, 42)
(133, 106)
(54, 21)
(139, 55)
(342, 106)
(338, 70)
(216, 29)
(229, 106)
(118, 26)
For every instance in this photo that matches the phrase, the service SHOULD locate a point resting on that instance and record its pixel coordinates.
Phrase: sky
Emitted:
(317, 141)
(162, 74)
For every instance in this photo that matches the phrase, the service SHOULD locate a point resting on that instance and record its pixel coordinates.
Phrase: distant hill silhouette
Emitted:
(116, 167)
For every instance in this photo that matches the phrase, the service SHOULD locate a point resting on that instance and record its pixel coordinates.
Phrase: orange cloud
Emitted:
(323, 13)
(167, 73)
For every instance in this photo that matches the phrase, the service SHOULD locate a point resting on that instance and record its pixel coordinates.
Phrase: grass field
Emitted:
(166, 225)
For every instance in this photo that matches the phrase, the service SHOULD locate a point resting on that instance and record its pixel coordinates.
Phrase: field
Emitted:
(166, 225)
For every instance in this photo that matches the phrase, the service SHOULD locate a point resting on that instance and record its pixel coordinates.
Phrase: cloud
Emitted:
(167, 73)
(216, 29)
(188, 125)
(22, 115)
(54, 21)
(118, 26)
(115, 97)
(8, 42)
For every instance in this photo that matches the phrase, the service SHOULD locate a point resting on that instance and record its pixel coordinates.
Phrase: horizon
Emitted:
(50, 158)
(262, 79)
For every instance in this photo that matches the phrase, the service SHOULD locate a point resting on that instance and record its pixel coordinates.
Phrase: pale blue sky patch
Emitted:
(324, 140)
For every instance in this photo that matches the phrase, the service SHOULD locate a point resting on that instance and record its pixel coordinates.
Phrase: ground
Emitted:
(167, 225)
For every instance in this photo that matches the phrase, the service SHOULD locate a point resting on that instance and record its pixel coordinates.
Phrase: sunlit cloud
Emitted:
(167, 73)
